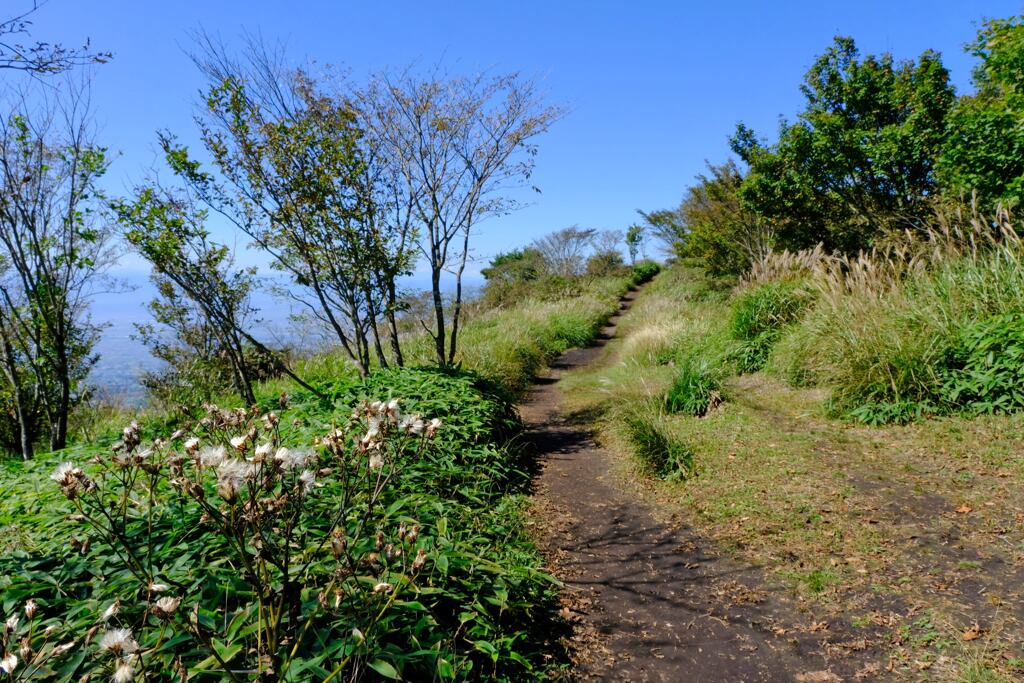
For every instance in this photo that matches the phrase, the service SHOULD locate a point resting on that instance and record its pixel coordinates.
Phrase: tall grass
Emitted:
(760, 313)
(511, 345)
(891, 330)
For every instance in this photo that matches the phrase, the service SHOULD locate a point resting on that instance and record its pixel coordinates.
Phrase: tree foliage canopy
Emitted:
(984, 149)
(859, 160)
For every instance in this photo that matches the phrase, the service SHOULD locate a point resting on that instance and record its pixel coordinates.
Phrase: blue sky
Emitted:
(653, 88)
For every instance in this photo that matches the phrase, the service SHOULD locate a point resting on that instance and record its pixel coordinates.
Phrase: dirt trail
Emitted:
(649, 602)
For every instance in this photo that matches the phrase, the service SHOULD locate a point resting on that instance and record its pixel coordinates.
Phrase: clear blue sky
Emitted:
(654, 88)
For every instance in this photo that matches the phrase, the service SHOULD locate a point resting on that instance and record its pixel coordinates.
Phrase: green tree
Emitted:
(512, 273)
(54, 248)
(859, 160)
(720, 228)
(984, 150)
(666, 226)
(634, 241)
(515, 266)
(292, 173)
(202, 299)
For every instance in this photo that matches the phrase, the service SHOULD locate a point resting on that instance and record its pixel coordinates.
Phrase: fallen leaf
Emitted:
(818, 677)
(973, 633)
(964, 509)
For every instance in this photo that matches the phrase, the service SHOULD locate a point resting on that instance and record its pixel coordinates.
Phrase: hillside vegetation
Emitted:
(377, 532)
(757, 409)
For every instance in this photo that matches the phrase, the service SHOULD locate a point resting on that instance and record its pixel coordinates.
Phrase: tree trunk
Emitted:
(24, 428)
(25, 435)
(371, 312)
(396, 347)
(240, 376)
(362, 345)
(59, 423)
(457, 307)
(439, 337)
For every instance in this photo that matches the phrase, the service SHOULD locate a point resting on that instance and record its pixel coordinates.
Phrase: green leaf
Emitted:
(385, 669)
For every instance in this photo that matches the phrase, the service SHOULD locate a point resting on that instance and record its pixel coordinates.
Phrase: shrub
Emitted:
(984, 367)
(644, 272)
(759, 315)
(330, 548)
(654, 447)
(696, 389)
(604, 263)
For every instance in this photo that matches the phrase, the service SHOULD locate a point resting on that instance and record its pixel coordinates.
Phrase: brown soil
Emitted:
(652, 600)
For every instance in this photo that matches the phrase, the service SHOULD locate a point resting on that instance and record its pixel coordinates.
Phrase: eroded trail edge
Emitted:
(648, 600)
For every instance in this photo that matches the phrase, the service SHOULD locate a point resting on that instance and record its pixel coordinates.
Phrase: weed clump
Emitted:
(984, 366)
(655, 447)
(759, 316)
(696, 389)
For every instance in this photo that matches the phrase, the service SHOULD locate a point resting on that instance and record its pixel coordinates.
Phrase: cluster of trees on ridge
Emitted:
(880, 145)
(342, 187)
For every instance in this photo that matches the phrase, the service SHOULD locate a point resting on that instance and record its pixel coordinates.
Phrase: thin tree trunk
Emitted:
(362, 345)
(59, 432)
(240, 372)
(372, 322)
(457, 307)
(396, 347)
(20, 412)
(439, 337)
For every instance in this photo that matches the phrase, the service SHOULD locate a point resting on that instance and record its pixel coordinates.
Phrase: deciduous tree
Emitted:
(54, 247)
(859, 160)
(458, 144)
(983, 153)
(202, 298)
(564, 250)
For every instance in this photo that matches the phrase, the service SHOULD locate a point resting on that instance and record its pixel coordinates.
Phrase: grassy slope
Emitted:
(861, 521)
(494, 566)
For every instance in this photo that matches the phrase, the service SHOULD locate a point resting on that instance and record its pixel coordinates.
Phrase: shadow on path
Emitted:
(649, 603)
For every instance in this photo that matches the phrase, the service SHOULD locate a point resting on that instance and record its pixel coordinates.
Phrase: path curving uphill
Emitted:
(647, 600)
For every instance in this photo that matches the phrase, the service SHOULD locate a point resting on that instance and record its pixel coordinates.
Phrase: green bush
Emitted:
(654, 447)
(697, 387)
(759, 315)
(481, 607)
(644, 272)
(984, 367)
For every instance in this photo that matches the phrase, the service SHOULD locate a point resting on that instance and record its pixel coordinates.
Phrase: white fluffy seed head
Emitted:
(118, 642)
(124, 673)
(212, 456)
(307, 481)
